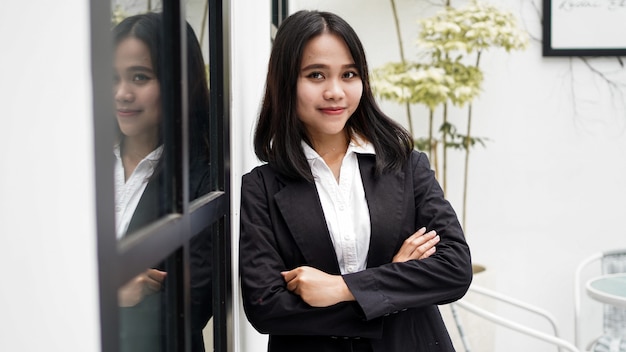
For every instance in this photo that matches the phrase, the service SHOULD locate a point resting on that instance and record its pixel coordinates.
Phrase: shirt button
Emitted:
(341, 207)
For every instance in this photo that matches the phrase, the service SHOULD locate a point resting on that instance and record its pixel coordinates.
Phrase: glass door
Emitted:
(161, 172)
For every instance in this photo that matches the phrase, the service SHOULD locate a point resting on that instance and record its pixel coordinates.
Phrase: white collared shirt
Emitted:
(128, 192)
(344, 204)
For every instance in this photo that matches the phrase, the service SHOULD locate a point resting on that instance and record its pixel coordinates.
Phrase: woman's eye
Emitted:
(350, 74)
(316, 75)
(140, 77)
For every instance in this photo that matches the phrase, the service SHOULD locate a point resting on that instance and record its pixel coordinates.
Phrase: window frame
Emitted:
(119, 261)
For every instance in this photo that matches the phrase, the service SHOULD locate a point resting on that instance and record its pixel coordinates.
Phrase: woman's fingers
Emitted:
(419, 245)
(427, 248)
(317, 288)
(429, 252)
(408, 246)
(289, 277)
(153, 279)
(140, 286)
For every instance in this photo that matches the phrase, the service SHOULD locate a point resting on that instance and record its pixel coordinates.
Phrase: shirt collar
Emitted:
(116, 151)
(309, 152)
(360, 146)
(357, 145)
(154, 155)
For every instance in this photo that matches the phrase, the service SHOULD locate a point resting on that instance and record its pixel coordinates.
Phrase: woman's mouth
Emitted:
(332, 110)
(127, 112)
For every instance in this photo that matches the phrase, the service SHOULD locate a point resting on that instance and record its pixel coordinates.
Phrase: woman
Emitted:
(139, 177)
(347, 242)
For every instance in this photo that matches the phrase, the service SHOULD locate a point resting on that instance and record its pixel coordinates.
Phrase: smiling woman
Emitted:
(139, 115)
(346, 241)
(138, 111)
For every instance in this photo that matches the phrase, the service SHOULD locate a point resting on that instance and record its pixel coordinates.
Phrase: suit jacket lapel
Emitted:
(151, 204)
(385, 196)
(300, 206)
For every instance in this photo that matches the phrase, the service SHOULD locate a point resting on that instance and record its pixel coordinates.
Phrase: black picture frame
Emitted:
(584, 28)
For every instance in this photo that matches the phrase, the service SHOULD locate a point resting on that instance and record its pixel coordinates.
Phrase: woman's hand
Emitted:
(419, 245)
(142, 285)
(317, 288)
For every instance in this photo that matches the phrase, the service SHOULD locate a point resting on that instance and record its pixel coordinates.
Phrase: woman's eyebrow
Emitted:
(140, 68)
(314, 66)
(323, 66)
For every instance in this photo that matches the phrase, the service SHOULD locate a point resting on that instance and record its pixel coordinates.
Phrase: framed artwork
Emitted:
(584, 27)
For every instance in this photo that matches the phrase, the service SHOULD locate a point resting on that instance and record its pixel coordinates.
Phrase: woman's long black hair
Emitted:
(279, 132)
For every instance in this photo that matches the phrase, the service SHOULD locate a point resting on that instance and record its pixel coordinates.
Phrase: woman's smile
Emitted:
(127, 113)
(333, 110)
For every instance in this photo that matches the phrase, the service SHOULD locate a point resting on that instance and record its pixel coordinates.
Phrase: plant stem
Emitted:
(430, 131)
(444, 139)
(467, 153)
(204, 19)
(401, 47)
(466, 169)
(431, 145)
(398, 33)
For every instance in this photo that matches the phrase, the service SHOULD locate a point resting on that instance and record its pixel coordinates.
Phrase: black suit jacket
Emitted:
(283, 227)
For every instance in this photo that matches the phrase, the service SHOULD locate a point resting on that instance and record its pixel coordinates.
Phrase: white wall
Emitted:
(548, 189)
(250, 41)
(48, 294)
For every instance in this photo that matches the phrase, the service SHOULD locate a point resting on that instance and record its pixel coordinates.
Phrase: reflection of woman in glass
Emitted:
(139, 180)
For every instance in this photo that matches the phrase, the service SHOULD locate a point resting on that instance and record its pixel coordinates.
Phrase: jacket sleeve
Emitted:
(442, 278)
(268, 305)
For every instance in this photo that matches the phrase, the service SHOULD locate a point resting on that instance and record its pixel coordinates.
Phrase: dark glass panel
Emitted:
(198, 103)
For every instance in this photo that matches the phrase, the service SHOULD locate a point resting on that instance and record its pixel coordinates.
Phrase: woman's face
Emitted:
(136, 90)
(329, 87)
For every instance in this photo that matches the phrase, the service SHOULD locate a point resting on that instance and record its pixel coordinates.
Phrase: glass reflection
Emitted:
(129, 189)
(198, 86)
(139, 191)
(137, 95)
(198, 107)
(146, 305)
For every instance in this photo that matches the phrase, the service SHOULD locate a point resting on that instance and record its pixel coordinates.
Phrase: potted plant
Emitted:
(453, 41)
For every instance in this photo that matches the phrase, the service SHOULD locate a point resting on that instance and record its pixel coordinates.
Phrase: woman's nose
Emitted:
(123, 92)
(333, 90)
